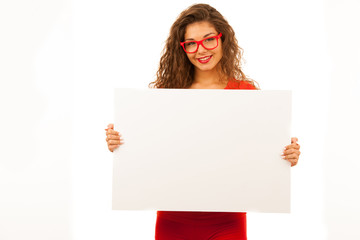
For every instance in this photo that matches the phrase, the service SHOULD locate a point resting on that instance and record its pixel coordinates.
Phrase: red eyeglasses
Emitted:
(209, 43)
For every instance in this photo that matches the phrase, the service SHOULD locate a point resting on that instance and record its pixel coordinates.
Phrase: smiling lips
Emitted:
(204, 59)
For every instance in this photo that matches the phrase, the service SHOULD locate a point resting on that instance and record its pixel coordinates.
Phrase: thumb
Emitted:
(110, 126)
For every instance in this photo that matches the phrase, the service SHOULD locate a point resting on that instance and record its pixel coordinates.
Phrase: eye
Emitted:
(210, 39)
(189, 44)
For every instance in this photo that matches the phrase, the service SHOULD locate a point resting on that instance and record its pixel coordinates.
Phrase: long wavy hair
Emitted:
(176, 70)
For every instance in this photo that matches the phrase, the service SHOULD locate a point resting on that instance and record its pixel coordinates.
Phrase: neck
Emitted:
(207, 78)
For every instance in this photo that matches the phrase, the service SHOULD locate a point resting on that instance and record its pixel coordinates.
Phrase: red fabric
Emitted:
(234, 84)
(173, 225)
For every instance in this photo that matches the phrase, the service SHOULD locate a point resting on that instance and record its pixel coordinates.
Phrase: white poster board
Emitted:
(202, 150)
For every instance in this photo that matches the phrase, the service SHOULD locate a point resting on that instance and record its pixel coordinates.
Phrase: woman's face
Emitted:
(203, 60)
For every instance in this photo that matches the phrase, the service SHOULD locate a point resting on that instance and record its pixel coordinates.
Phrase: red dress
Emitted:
(173, 225)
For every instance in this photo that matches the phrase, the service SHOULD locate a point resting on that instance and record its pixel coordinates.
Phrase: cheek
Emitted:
(220, 54)
(191, 57)
(188, 56)
(220, 49)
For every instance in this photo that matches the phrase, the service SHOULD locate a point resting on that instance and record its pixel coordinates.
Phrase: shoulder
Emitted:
(240, 84)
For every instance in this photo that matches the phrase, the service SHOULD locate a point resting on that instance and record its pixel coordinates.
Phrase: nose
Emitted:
(201, 49)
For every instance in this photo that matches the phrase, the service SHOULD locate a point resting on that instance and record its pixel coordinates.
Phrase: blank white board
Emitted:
(202, 150)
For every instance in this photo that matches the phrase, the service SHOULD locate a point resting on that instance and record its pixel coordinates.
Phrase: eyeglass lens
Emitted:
(209, 43)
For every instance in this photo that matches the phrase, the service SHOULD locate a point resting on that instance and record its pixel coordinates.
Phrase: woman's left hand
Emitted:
(292, 152)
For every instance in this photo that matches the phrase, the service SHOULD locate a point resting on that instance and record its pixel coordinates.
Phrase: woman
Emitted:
(201, 52)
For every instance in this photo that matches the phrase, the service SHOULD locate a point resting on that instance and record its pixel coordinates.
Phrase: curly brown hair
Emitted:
(176, 70)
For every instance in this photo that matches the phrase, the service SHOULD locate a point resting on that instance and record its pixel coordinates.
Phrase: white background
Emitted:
(59, 63)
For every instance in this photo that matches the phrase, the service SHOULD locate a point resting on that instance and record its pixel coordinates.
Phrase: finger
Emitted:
(112, 132)
(288, 151)
(112, 148)
(109, 126)
(113, 137)
(292, 146)
(113, 142)
(293, 163)
(294, 139)
(291, 159)
(295, 146)
(294, 160)
(291, 151)
(291, 156)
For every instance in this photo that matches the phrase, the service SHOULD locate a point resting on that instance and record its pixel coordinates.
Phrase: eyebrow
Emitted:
(205, 36)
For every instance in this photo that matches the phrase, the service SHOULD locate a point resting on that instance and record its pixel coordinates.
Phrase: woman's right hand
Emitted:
(113, 138)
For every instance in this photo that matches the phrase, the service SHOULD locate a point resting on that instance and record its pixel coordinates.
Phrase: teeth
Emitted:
(205, 58)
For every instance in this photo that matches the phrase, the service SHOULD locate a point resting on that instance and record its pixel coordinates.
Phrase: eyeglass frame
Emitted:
(201, 42)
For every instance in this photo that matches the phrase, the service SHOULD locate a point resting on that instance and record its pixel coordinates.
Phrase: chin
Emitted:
(206, 68)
